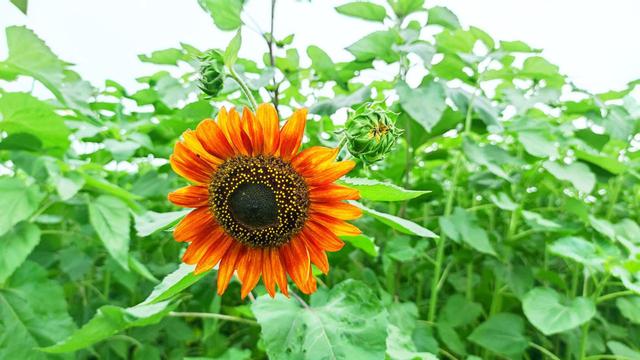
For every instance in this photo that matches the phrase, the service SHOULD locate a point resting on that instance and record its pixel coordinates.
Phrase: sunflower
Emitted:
(261, 208)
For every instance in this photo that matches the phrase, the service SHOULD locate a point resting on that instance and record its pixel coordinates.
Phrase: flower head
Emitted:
(261, 208)
(212, 73)
(371, 132)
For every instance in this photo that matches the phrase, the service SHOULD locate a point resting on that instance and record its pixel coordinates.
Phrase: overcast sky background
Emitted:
(594, 42)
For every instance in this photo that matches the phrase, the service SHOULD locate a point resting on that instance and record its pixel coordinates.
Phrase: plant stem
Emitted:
(272, 58)
(244, 88)
(214, 316)
(614, 295)
(544, 351)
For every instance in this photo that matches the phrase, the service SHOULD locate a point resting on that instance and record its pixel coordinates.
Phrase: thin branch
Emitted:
(214, 316)
(543, 350)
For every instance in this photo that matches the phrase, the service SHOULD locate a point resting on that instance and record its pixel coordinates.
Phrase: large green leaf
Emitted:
(491, 156)
(424, 104)
(630, 308)
(462, 226)
(111, 221)
(21, 4)
(501, 333)
(151, 222)
(440, 15)
(33, 313)
(363, 10)
(347, 323)
(30, 56)
(225, 13)
(577, 249)
(552, 313)
(173, 284)
(110, 320)
(381, 191)
(377, 45)
(22, 113)
(22, 199)
(330, 106)
(363, 243)
(397, 223)
(577, 173)
(15, 246)
(403, 8)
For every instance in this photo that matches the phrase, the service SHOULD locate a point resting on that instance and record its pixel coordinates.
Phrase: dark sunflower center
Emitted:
(254, 205)
(260, 201)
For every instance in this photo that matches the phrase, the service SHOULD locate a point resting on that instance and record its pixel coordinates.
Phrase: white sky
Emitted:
(594, 42)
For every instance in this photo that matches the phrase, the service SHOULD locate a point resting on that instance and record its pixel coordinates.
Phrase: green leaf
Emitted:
(22, 113)
(402, 8)
(173, 284)
(462, 225)
(33, 313)
(623, 351)
(630, 308)
(322, 63)
(362, 242)
(110, 219)
(424, 104)
(377, 45)
(164, 57)
(151, 222)
(225, 13)
(536, 144)
(402, 225)
(578, 174)
(552, 313)
(231, 53)
(381, 191)
(23, 200)
(459, 311)
(450, 338)
(578, 250)
(440, 15)
(363, 10)
(609, 163)
(349, 322)
(330, 106)
(502, 334)
(21, 5)
(15, 246)
(30, 56)
(110, 320)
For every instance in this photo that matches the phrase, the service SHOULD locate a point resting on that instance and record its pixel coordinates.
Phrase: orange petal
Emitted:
(249, 270)
(214, 253)
(193, 143)
(279, 272)
(311, 285)
(339, 210)
(333, 192)
(188, 165)
(228, 265)
(267, 117)
(213, 139)
(268, 277)
(197, 248)
(234, 132)
(322, 237)
(197, 223)
(316, 254)
(190, 196)
(337, 226)
(296, 260)
(291, 134)
(310, 161)
(253, 129)
(331, 173)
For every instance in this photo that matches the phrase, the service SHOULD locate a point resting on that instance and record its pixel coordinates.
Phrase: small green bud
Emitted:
(212, 73)
(371, 132)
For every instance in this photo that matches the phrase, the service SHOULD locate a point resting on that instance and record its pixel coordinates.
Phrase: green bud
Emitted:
(212, 73)
(371, 132)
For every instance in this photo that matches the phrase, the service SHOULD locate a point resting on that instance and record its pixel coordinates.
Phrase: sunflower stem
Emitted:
(244, 88)
(214, 316)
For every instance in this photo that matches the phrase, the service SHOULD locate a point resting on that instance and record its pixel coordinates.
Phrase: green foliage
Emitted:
(501, 222)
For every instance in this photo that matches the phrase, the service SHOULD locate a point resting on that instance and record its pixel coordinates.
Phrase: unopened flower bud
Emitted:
(212, 73)
(371, 132)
